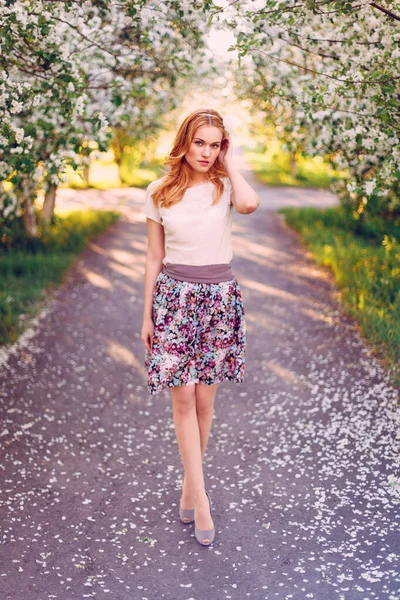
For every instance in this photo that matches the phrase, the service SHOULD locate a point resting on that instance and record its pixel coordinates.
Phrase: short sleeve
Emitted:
(151, 211)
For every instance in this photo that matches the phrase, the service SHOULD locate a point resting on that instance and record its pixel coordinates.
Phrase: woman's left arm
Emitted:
(244, 197)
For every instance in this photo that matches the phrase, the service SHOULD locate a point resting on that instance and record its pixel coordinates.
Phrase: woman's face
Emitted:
(204, 149)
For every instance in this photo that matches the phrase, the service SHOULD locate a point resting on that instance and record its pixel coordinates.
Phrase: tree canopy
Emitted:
(325, 73)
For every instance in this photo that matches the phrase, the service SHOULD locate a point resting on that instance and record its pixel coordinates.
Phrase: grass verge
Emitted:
(366, 269)
(272, 167)
(104, 174)
(28, 273)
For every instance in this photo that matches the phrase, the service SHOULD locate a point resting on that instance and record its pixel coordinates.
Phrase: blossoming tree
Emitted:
(69, 72)
(329, 72)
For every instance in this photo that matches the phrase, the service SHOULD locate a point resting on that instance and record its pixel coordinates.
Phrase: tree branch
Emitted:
(103, 48)
(292, 43)
(296, 34)
(335, 108)
(288, 62)
(295, 6)
(386, 11)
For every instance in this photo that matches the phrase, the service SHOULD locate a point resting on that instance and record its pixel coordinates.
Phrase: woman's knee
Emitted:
(183, 399)
(205, 395)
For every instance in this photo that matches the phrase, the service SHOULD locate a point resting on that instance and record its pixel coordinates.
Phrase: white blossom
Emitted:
(370, 186)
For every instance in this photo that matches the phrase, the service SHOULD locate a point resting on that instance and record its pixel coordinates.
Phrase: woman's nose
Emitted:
(206, 151)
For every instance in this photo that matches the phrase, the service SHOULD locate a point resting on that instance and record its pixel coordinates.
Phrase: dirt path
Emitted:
(303, 459)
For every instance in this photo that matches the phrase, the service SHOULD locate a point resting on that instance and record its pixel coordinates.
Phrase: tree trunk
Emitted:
(119, 165)
(293, 164)
(29, 214)
(86, 174)
(118, 150)
(49, 204)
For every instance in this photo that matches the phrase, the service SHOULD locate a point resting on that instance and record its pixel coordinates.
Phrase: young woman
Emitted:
(193, 322)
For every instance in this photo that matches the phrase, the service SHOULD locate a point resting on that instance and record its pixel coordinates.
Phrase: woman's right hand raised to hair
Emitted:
(147, 333)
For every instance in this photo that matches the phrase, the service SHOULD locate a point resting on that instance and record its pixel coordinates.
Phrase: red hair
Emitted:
(174, 183)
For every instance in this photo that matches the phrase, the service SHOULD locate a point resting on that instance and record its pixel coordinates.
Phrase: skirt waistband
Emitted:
(199, 273)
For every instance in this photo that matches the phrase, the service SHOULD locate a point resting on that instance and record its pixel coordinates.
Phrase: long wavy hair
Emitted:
(177, 179)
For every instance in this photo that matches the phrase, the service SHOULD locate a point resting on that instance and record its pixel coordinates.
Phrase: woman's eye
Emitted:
(198, 143)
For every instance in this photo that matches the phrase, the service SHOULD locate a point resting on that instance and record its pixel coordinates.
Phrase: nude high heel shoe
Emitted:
(186, 515)
(208, 534)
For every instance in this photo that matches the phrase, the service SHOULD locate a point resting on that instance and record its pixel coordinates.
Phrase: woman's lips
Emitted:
(204, 162)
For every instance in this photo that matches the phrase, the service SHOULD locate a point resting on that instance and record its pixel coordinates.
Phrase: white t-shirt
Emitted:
(196, 232)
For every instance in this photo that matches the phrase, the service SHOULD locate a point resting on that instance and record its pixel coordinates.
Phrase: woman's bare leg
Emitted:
(205, 395)
(188, 436)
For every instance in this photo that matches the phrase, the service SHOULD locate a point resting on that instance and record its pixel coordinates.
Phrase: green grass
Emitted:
(104, 174)
(272, 167)
(30, 270)
(366, 268)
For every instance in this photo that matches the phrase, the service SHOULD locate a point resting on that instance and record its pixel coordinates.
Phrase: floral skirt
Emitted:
(199, 334)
